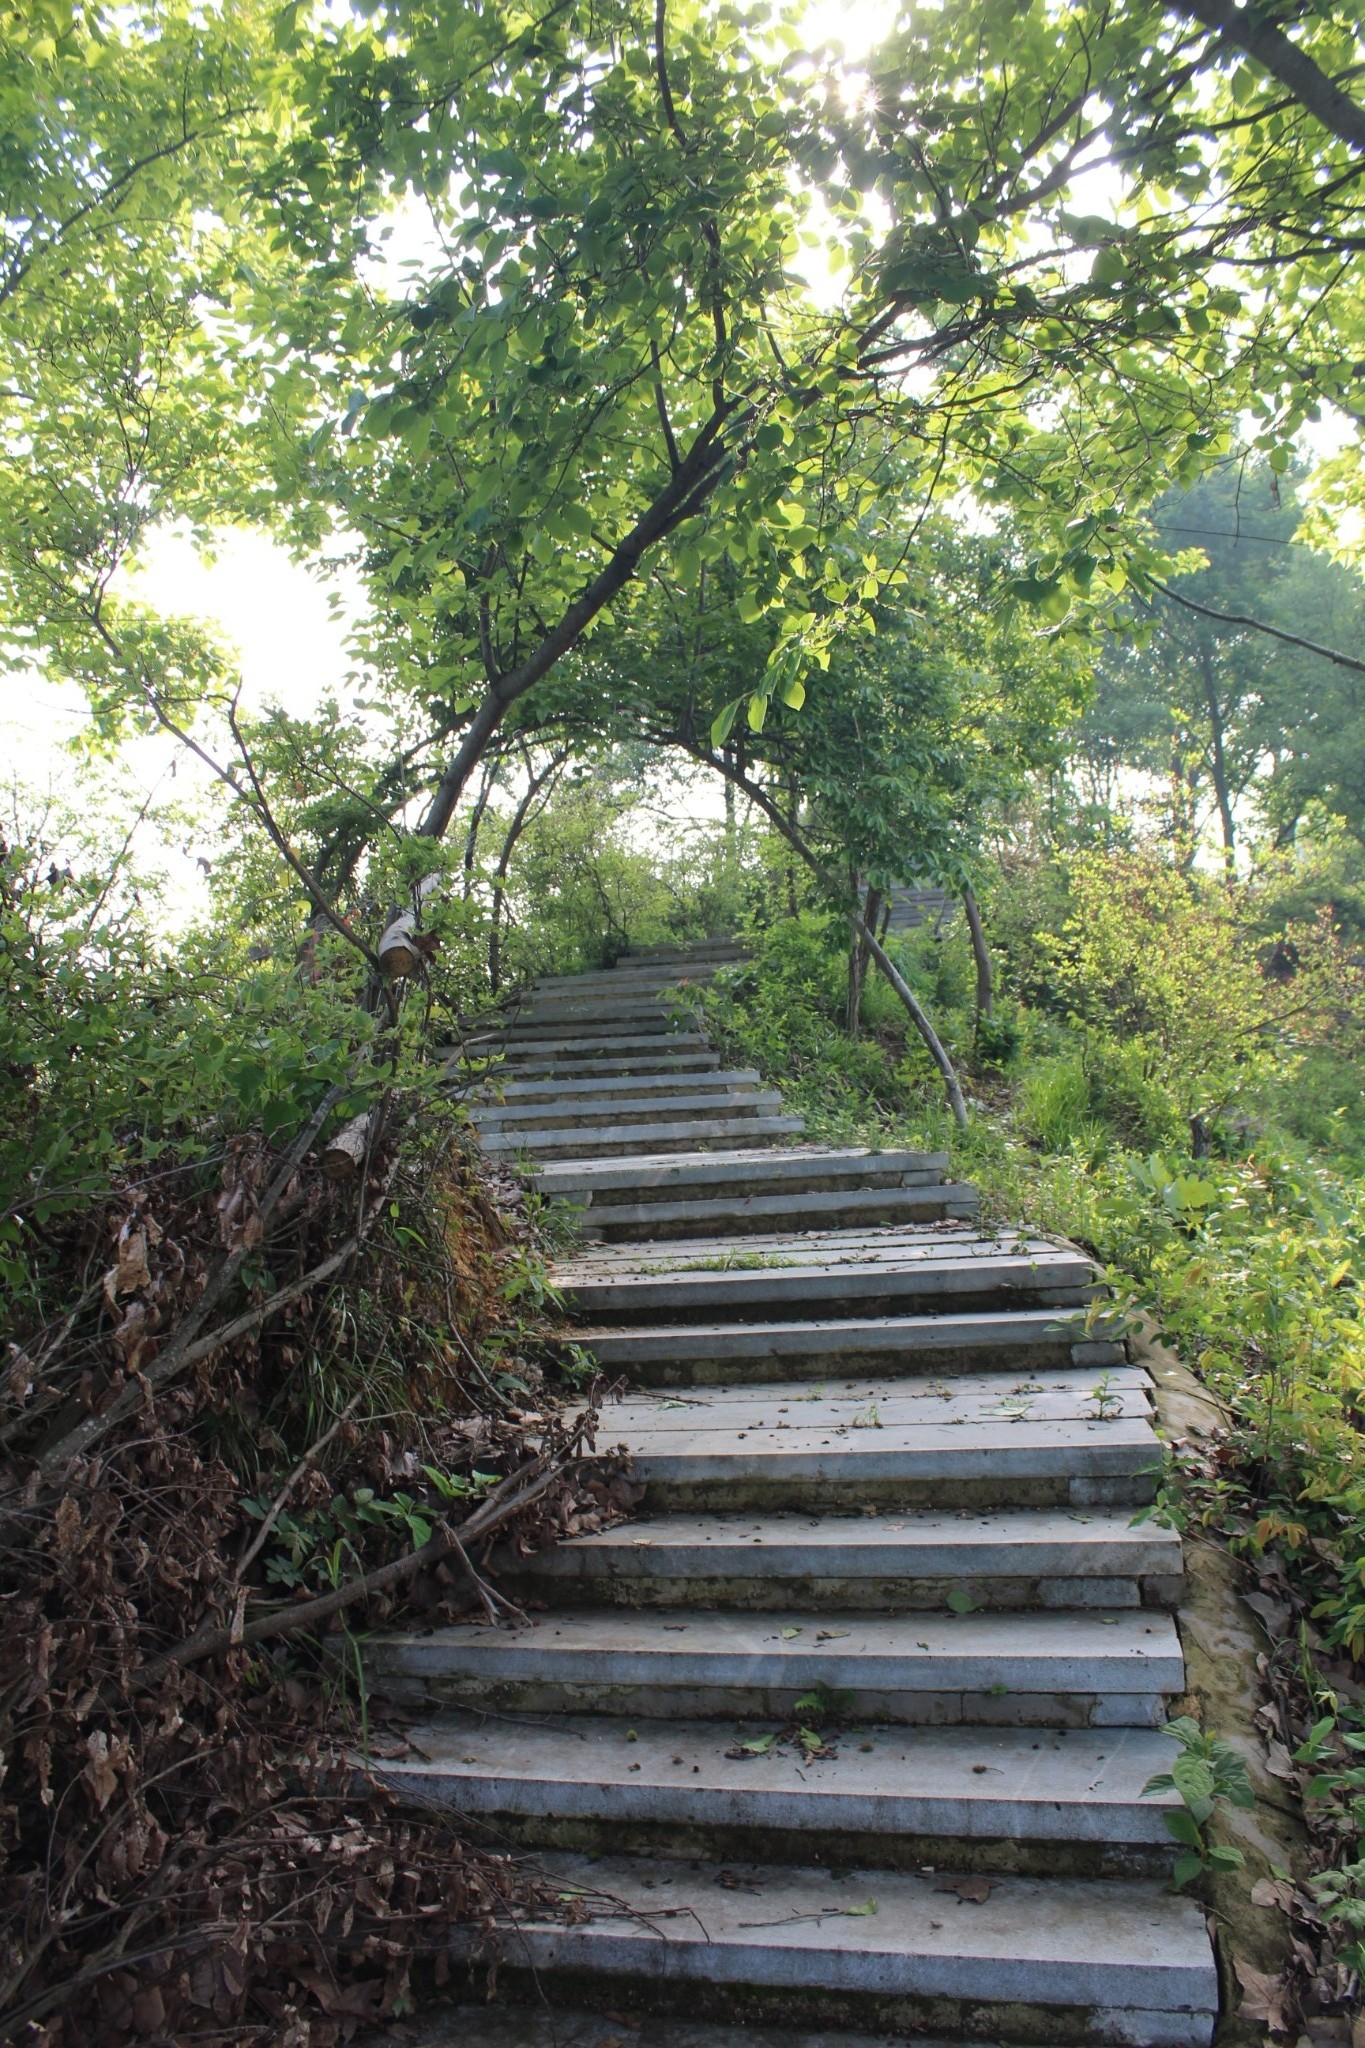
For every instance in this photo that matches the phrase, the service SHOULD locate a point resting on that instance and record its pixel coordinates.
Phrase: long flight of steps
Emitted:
(849, 1728)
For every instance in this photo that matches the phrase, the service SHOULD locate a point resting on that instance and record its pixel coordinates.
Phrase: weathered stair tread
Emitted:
(591, 1045)
(795, 1162)
(909, 1558)
(718, 1130)
(585, 1109)
(625, 1084)
(664, 1058)
(993, 1453)
(637, 1021)
(745, 1215)
(1060, 1390)
(1128, 1653)
(888, 1338)
(852, 1244)
(1107, 1953)
(1050, 1785)
(909, 1269)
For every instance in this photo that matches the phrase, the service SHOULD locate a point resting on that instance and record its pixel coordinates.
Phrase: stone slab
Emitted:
(1047, 1786)
(812, 1164)
(624, 1084)
(1027, 1277)
(614, 1140)
(748, 1215)
(893, 1667)
(896, 1343)
(1096, 1949)
(895, 1560)
(580, 1111)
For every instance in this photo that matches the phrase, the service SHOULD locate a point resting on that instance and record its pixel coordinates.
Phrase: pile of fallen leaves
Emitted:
(1309, 1724)
(187, 1847)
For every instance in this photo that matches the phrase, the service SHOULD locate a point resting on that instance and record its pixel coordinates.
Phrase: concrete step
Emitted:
(745, 1215)
(1015, 1558)
(1070, 1669)
(615, 1141)
(796, 1169)
(726, 950)
(569, 1088)
(1008, 1799)
(703, 1355)
(974, 1459)
(570, 1047)
(881, 1273)
(583, 1112)
(1052, 1960)
(653, 979)
(543, 2026)
(662, 1058)
(527, 1030)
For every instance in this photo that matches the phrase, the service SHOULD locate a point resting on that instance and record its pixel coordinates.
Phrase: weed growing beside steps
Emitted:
(1117, 1025)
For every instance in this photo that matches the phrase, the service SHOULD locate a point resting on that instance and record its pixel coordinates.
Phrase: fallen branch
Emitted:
(516, 1491)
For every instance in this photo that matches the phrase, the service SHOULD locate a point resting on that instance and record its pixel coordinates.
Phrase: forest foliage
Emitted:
(758, 477)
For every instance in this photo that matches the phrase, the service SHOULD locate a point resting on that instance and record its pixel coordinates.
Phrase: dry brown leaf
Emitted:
(1265, 1999)
(971, 1891)
(1271, 1891)
(132, 1270)
(1279, 1763)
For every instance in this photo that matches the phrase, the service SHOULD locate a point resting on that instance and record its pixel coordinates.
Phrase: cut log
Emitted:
(344, 1156)
(399, 953)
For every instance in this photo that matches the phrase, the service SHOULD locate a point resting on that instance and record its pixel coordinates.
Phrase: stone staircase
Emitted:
(848, 1729)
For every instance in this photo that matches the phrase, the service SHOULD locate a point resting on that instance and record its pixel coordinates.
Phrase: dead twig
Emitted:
(272, 1514)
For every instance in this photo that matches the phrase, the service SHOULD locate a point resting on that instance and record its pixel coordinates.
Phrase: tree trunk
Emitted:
(858, 957)
(520, 820)
(985, 984)
(1218, 761)
(757, 795)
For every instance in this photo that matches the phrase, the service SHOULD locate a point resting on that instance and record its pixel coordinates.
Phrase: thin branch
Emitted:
(272, 1515)
(1332, 654)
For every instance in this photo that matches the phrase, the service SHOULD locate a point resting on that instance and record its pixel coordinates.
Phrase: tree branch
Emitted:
(1266, 42)
(1333, 654)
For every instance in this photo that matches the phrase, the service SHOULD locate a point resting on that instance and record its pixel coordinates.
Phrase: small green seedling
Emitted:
(1206, 1770)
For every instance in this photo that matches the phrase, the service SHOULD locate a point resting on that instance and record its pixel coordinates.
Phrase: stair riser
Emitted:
(729, 1133)
(708, 1827)
(640, 1225)
(608, 1088)
(756, 1702)
(796, 1592)
(618, 1066)
(616, 1047)
(611, 1115)
(596, 1020)
(559, 1971)
(926, 1361)
(808, 1173)
(740, 1491)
